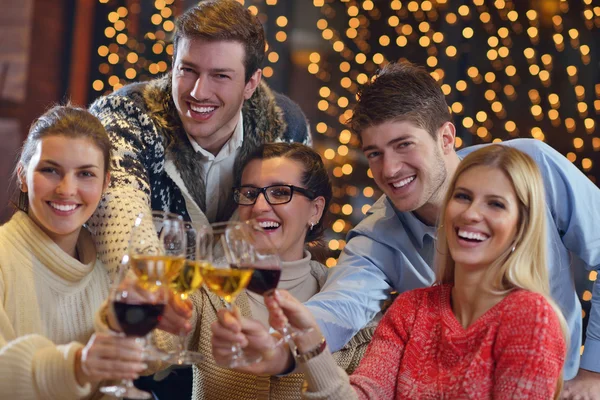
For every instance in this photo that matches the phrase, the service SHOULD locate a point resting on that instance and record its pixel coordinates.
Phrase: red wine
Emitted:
(263, 280)
(138, 319)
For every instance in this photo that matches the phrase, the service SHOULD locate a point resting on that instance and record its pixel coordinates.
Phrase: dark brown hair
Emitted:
(68, 121)
(224, 20)
(401, 92)
(314, 176)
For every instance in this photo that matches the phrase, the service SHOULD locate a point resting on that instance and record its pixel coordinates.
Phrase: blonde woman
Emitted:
(487, 329)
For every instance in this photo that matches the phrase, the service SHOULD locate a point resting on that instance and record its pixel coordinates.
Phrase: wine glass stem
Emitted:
(182, 334)
(236, 348)
(285, 329)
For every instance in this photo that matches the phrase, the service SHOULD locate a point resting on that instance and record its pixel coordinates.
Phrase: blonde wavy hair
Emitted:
(525, 267)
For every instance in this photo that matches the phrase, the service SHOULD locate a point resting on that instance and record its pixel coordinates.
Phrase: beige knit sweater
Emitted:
(47, 305)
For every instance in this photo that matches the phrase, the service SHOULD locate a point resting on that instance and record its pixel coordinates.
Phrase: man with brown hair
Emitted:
(408, 138)
(178, 139)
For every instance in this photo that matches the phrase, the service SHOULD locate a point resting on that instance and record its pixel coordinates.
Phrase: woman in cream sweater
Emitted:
(51, 282)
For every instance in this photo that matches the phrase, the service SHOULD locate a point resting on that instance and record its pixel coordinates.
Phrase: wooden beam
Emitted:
(81, 52)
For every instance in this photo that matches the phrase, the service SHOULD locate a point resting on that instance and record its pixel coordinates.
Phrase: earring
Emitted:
(312, 225)
(513, 248)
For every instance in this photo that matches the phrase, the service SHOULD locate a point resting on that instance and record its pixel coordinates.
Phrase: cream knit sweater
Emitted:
(47, 305)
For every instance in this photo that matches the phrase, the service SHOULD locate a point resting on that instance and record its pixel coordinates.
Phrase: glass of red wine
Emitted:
(138, 306)
(266, 263)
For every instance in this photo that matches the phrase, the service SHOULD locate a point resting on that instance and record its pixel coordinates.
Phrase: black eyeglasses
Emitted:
(274, 194)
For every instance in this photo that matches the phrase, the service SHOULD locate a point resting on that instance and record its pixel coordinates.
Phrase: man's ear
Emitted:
(447, 136)
(252, 84)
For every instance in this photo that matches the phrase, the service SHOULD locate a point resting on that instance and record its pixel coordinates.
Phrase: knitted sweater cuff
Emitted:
(325, 379)
(54, 369)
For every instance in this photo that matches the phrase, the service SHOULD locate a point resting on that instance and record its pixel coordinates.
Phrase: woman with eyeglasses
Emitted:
(285, 187)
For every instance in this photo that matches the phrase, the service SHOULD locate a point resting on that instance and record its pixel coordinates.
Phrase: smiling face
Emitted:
(286, 224)
(481, 218)
(408, 165)
(209, 89)
(64, 181)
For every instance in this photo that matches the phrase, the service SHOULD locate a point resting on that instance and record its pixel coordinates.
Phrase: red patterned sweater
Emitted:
(420, 351)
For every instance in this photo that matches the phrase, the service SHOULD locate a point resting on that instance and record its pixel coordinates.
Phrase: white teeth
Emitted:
(269, 224)
(202, 109)
(472, 235)
(61, 207)
(404, 182)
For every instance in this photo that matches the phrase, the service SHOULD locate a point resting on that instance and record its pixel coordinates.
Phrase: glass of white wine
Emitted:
(156, 257)
(226, 277)
(188, 280)
(159, 260)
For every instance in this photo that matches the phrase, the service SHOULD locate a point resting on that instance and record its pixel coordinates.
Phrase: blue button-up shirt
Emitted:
(392, 250)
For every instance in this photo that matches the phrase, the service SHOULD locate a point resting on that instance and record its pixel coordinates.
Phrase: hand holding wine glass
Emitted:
(188, 280)
(227, 277)
(107, 356)
(253, 337)
(138, 306)
(286, 310)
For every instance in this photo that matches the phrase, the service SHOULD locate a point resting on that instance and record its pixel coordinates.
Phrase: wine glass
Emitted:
(226, 277)
(138, 306)
(189, 279)
(264, 260)
(157, 254)
(159, 260)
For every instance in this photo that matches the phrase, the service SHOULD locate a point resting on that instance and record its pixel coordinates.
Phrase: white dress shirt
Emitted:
(218, 170)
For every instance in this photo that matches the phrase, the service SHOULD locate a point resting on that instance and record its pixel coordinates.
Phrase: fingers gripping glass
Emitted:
(274, 194)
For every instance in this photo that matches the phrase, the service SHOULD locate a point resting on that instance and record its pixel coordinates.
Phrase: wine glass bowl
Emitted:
(227, 283)
(159, 260)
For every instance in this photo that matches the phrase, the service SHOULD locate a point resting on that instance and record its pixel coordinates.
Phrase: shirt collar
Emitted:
(414, 226)
(230, 147)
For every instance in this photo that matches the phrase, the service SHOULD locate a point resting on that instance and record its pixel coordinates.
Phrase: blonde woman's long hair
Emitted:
(525, 267)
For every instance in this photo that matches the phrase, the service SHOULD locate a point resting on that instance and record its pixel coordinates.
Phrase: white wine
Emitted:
(189, 278)
(156, 268)
(227, 283)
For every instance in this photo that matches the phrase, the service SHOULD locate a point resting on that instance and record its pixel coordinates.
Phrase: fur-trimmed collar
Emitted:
(263, 122)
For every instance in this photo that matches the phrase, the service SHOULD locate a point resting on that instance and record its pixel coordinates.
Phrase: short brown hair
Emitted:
(401, 92)
(68, 121)
(224, 20)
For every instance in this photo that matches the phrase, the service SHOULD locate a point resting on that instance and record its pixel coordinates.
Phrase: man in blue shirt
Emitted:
(408, 138)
